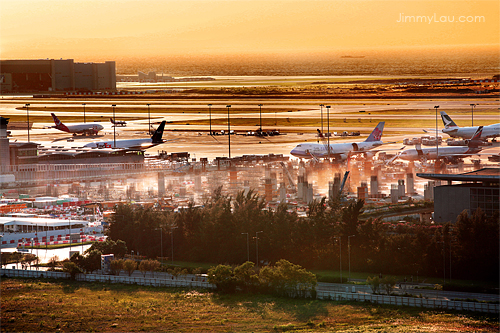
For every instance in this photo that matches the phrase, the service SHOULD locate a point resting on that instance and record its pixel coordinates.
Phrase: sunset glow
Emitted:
(88, 29)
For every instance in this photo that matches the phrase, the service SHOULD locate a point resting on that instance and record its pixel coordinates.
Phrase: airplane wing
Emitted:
(433, 130)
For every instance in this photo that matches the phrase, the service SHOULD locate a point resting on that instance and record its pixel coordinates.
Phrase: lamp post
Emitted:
(210, 115)
(114, 127)
(340, 247)
(161, 243)
(69, 224)
(172, 241)
(437, 143)
(257, 246)
(149, 119)
(1, 263)
(472, 107)
(260, 116)
(28, 118)
(248, 248)
(321, 105)
(228, 130)
(349, 249)
(84, 121)
(328, 126)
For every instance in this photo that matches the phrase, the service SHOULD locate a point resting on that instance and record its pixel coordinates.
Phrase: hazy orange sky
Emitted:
(86, 29)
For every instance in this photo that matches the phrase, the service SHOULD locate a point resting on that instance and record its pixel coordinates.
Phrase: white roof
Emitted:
(39, 221)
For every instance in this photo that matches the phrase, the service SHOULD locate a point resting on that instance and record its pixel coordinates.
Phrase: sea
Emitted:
(442, 62)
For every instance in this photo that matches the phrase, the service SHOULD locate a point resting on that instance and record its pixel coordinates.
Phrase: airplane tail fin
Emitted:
(475, 141)
(319, 133)
(59, 124)
(447, 120)
(376, 134)
(111, 120)
(158, 134)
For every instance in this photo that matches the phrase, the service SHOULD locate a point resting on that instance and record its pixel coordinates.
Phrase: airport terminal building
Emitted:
(477, 189)
(49, 75)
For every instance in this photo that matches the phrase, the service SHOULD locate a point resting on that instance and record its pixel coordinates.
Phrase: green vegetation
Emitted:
(213, 233)
(70, 306)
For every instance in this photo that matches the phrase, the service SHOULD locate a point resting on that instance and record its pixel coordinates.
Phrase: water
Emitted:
(450, 61)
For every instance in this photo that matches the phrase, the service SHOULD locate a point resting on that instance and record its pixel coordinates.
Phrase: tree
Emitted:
(116, 266)
(92, 261)
(287, 279)
(388, 283)
(72, 269)
(222, 277)
(30, 258)
(53, 262)
(149, 266)
(16, 257)
(129, 266)
(245, 276)
(374, 283)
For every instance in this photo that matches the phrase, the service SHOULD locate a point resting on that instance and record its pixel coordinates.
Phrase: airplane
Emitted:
(155, 139)
(455, 131)
(118, 123)
(84, 128)
(449, 154)
(341, 151)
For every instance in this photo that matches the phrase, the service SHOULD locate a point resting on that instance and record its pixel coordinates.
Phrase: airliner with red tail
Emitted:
(82, 128)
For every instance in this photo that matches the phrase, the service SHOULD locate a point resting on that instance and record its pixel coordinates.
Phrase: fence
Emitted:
(409, 301)
(143, 281)
(331, 295)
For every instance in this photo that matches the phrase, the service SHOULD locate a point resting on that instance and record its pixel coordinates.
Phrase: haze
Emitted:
(90, 30)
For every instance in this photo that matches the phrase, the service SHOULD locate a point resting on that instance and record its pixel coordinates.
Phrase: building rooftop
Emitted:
(488, 175)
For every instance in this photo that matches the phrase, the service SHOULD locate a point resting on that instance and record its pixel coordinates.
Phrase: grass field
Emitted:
(48, 306)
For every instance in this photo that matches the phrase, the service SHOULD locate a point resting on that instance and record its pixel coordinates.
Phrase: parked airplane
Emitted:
(155, 139)
(449, 154)
(455, 131)
(340, 151)
(118, 123)
(83, 128)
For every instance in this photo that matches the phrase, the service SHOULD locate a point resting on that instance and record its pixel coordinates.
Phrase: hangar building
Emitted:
(478, 189)
(56, 75)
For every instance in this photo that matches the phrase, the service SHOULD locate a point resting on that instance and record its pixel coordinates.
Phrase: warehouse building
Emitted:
(56, 75)
(477, 189)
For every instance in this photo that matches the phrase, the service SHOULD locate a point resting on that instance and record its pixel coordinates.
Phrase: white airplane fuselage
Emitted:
(414, 154)
(83, 128)
(490, 131)
(337, 150)
(130, 144)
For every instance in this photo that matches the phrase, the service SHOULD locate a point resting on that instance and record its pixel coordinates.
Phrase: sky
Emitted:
(89, 29)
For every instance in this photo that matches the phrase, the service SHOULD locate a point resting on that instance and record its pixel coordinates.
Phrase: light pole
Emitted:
(260, 116)
(257, 246)
(437, 143)
(228, 130)
(248, 248)
(349, 249)
(172, 241)
(321, 105)
(1, 263)
(149, 119)
(84, 121)
(114, 127)
(328, 126)
(210, 115)
(28, 116)
(340, 247)
(161, 243)
(69, 224)
(472, 107)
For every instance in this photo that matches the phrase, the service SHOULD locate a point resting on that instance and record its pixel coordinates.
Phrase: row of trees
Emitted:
(330, 236)
(282, 279)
